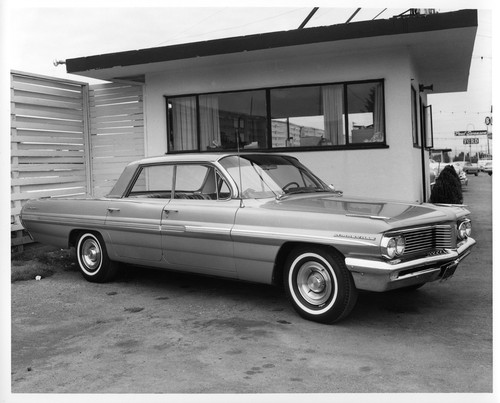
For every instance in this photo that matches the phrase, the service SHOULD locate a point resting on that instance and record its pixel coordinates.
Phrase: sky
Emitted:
(37, 33)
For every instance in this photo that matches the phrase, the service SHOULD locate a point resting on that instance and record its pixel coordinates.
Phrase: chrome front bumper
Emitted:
(374, 275)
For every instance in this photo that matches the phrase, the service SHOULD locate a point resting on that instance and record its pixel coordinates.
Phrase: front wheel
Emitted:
(319, 285)
(93, 259)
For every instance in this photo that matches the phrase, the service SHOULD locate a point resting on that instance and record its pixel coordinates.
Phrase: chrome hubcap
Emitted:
(314, 283)
(91, 254)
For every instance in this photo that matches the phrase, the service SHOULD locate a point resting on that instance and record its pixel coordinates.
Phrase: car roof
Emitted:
(192, 157)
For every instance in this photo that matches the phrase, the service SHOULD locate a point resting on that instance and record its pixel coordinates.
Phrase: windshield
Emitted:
(271, 176)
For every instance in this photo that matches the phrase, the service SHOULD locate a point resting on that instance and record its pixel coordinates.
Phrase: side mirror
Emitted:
(337, 192)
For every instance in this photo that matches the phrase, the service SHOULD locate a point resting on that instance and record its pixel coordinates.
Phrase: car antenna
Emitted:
(239, 163)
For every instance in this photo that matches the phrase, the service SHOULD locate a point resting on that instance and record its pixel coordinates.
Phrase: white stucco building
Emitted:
(349, 100)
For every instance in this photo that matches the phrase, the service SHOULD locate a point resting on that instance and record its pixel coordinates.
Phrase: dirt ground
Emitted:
(170, 333)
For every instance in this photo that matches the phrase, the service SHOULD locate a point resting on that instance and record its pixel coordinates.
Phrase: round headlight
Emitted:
(391, 247)
(464, 229)
(468, 229)
(400, 245)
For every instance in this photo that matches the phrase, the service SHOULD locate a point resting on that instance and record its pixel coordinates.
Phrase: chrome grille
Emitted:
(428, 239)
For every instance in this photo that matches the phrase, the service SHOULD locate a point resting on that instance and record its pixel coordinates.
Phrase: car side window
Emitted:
(200, 182)
(154, 181)
(182, 181)
(223, 189)
(190, 178)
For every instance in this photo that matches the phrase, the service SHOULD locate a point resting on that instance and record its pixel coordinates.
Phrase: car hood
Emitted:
(392, 212)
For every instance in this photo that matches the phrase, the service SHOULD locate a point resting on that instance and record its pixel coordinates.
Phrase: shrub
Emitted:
(447, 188)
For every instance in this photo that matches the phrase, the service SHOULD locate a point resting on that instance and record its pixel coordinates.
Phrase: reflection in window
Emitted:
(307, 116)
(365, 112)
(232, 120)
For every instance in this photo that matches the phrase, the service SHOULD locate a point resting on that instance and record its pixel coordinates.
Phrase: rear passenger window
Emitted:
(154, 181)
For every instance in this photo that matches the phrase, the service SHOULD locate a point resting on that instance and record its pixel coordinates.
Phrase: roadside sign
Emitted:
(472, 140)
(471, 132)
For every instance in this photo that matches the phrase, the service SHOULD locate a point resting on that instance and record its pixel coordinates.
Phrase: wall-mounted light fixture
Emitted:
(422, 87)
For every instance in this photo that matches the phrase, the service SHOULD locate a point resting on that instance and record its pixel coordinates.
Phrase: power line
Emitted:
(192, 26)
(238, 26)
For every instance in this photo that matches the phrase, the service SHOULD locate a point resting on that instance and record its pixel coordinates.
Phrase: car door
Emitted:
(197, 222)
(133, 223)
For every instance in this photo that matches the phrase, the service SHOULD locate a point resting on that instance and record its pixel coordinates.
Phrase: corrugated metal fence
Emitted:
(68, 139)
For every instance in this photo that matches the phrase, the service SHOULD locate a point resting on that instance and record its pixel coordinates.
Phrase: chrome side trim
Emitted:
(64, 220)
(208, 230)
(294, 237)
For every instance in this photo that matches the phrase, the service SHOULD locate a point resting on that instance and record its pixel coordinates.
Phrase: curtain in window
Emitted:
(184, 123)
(333, 99)
(209, 122)
(378, 114)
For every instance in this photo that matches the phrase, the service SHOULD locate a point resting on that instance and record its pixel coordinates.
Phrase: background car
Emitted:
(481, 163)
(488, 168)
(471, 168)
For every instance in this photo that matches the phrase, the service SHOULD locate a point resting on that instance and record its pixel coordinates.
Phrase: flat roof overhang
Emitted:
(440, 45)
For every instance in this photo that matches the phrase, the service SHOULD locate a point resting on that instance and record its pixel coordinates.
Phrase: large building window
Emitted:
(343, 115)
(232, 120)
(366, 112)
(308, 116)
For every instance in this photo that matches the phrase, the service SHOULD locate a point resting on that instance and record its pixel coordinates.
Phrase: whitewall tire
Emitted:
(319, 285)
(93, 259)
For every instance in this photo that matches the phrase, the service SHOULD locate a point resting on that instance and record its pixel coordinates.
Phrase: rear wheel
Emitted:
(93, 259)
(319, 285)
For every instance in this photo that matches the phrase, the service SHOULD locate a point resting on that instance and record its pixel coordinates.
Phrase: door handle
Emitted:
(112, 209)
(167, 212)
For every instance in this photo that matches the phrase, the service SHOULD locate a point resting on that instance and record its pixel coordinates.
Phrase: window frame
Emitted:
(267, 91)
(414, 105)
(219, 180)
(428, 126)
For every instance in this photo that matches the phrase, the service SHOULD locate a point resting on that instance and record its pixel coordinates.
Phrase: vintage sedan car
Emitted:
(263, 218)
